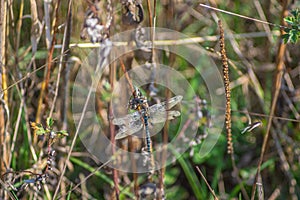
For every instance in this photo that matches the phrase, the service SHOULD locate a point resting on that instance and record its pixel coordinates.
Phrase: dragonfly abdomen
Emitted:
(148, 141)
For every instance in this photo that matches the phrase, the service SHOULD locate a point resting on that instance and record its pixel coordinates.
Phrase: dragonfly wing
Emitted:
(162, 116)
(173, 114)
(132, 123)
(127, 119)
(129, 129)
(163, 106)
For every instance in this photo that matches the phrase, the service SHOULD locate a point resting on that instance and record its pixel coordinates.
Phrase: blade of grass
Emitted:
(96, 172)
(190, 174)
(207, 184)
(86, 166)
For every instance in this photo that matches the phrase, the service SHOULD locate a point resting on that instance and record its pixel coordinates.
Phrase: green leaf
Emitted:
(190, 174)
(287, 30)
(62, 133)
(294, 35)
(40, 132)
(38, 128)
(50, 122)
(285, 38)
(296, 13)
(289, 20)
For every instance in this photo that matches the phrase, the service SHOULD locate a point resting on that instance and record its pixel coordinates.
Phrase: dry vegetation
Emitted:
(45, 44)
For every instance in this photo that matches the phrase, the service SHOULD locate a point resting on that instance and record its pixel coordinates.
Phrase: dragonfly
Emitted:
(157, 113)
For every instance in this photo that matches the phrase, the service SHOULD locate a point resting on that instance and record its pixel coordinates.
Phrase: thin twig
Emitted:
(264, 115)
(112, 132)
(87, 177)
(66, 40)
(291, 105)
(47, 4)
(149, 13)
(112, 78)
(27, 76)
(153, 33)
(16, 130)
(18, 30)
(99, 68)
(263, 16)
(3, 185)
(36, 26)
(191, 40)
(164, 150)
(207, 184)
(280, 70)
(73, 141)
(275, 194)
(45, 84)
(241, 16)
(126, 75)
(285, 165)
(254, 80)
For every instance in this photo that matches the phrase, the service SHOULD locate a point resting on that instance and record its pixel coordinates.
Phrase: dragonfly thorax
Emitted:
(138, 101)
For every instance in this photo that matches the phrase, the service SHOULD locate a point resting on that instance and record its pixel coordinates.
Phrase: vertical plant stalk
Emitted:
(153, 55)
(45, 83)
(230, 149)
(126, 75)
(164, 150)
(280, 70)
(150, 14)
(3, 85)
(74, 140)
(18, 30)
(21, 85)
(153, 74)
(36, 27)
(134, 167)
(227, 90)
(62, 61)
(47, 23)
(112, 74)
(130, 142)
(168, 16)
(4, 138)
(284, 163)
(153, 32)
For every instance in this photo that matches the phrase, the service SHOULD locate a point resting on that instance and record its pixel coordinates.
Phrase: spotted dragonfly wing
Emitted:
(129, 129)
